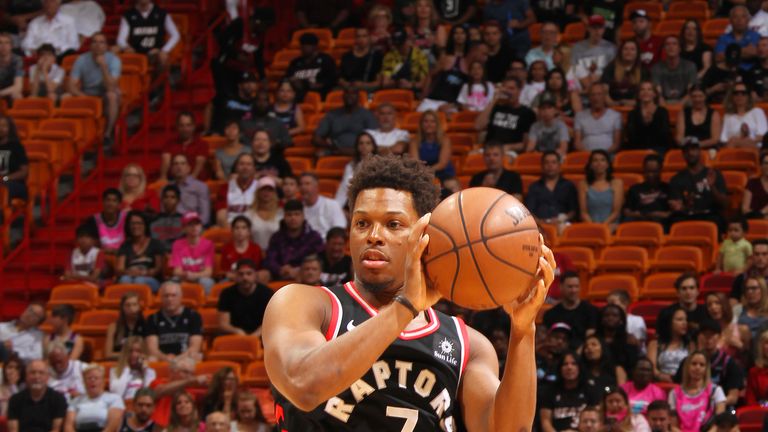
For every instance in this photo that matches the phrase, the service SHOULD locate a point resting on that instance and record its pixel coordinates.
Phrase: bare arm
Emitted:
(69, 422)
(616, 142)
(225, 324)
(546, 420)
(153, 346)
(680, 129)
(114, 419)
(218, 170)
(482, 119)
(109, 344)
(13, 426)
(715, 129)
(195, 346)
(618, 201)
(577, 140)
(165, 163)
(120, 265)
(300, 125)
(199, 165)
(582, 190)
(77, 348)
(74, 87)
(174, 386)
(746, 202)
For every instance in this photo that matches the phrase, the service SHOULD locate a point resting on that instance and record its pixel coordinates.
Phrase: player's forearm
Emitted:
(518, 387)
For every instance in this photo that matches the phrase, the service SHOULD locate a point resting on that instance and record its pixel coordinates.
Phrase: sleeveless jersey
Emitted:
(147, 33)
(111, 237)
(83, 263)
(692, 411)
(413, 386)
(239, 200)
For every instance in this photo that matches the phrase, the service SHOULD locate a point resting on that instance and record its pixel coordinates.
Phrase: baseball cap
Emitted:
(638, 13)
(267, 181)
(399, 36)
(547, 100)
(248, 77)
(596, 21)
(309, 39)
(560, 326)
(190, 217)
(246, 262)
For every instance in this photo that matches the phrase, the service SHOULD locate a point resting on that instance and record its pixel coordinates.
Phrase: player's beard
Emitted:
(375, 287)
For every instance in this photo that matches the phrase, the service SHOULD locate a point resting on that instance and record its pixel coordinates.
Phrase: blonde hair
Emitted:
(433, 19)
(93, 367)
(760, 358)
(377, 9)
(276, 205)
(686, 383)
(439, 134)
(730, 108)
(125, 353)
(143, 179)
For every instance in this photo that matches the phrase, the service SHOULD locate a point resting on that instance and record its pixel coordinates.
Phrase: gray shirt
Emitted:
(583, 55)
(10, 71)
(548, 138)
(597, 133)
(674, 82)
(227, 161)
(195, 197)
(89, 73)
(343, 127)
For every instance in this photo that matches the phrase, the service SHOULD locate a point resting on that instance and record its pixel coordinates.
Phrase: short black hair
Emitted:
(653, 158)
(685, 276)
(171, 188)
(759, 242)
(493, 143)
(403, 174)
(659, 405)
(185, 114)
(336, 232)
(85, 230)
(739, 220)
(112, 192)
(46, 48)
(232, 120)
(144, 218)
(293, 205)
(241, 218)
(145, 392)
(569, 274)
(65, 311)
(550, 153)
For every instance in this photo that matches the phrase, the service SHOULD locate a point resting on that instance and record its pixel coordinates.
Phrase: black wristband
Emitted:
(407, 303)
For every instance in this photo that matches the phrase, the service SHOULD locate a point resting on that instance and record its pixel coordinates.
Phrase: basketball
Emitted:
(483, 249)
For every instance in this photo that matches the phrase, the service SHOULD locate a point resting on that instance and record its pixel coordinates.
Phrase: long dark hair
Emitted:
(588, 168)
(143, 217)
(214, 396)
(699, 34)
(450, 45)
(358, 156)
(560, 382)
(620, 336)
(13, 134)
(122, 323)
(664, 329)
(14, 358)
(563, 92)
(605, 364)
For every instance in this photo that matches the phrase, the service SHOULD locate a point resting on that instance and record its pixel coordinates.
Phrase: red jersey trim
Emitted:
(335, 323)
(464, 339)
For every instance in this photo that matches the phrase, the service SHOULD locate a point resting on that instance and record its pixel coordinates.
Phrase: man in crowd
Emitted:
(237, 195)
(456, 12)
(192, 256)
(580, 315)
(313, 70)
(740, 35)
(389, 138)
(36, 407)
(11, 70)
(175, 330)
(181, 376)
(143, 408)
(52, 27)
(673, 75)
(310, 271)
(504, 119)
(516, 17)
(14, 163)
(687, 287)
(241, 307)
(590, 420)
(66, 374)
(499, 57)
(659, 416)
(697, 192)
(336, 264)
(590, 56)
(195, 196)
(23, 335)
(288, 246)
(339, 128)
(167, 226)
(649, 44)
(322, 213)
(599, 127)
(217, 421)
(759, 267)
(552, 199)
(360, 66)
(548, 51)
(495, 175)
(260, 118)
(404, 66)
(236, 106)
(143, 30)
(549, 353)
(186, 142)
(648, 201)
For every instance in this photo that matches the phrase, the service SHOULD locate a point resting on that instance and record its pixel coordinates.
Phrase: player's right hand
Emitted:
(415, 287)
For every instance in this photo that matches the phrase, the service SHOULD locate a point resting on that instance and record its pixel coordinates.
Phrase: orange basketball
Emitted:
(483, 249)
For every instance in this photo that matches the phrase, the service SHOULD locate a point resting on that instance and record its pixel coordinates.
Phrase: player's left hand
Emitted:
(524, 314)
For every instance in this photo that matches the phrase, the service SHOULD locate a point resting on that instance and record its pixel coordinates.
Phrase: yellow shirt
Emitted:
(735, 254)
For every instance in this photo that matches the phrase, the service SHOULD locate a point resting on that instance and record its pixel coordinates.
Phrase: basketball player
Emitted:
(373, 355)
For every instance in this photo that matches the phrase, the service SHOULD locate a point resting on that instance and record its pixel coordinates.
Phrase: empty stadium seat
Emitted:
(720, 282)
(328, 187)
(575, 162)
(701, 234)
(528, 163)
(659, 286)
(600, 286)
(623, 259)
(331, 166)
(592, 235)
(630, 161)
(758, 229)
(213, 366)
(649, 235)
(80, 296)
(677, 259)
(737, 159)
(256, 375)
(648, 310)
(299, 165)
(237, 348)
(684, 10)
(402, 100)
(583, 258)
(113, 294)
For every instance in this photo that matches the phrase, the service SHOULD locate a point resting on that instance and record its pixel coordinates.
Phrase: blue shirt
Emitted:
(506, 10)
(89, 73)
(750, 38)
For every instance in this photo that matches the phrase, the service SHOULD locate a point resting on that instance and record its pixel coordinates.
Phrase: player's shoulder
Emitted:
(300, 296)
(481, 349)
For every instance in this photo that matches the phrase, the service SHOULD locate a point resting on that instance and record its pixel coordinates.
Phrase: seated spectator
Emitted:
(143, 29)
(600, 371)
(234, 105)
(698, 120)
(130, 322)
(516, 17)
(313, 70)
(181, 375)
(635, 323)
(110, 222)
(598, 128)
(579, 314)
(549, 353)
(757, 77)
(697, 192)
(291, 243)
(12, 382)
(187, 143)
(38, 407)
(52, 27)
(617, 412)
(269, 162)
(365, 146)
(590, 420)
(560, 407)
(590, 56)
(86, 264)
(131, 373)
(651, 46)
(23, 336)
(310, 271)
(218, 421)
(477, 92)
(249, 416)
(335, 262)
(192, 256)
(648, 124)
(624, 75)
(535, 82)
(641, 391)
(601, 196)
(61, 319)
(687, 288)
(552, 199)
(740, 35)
(332, 14)
(265, 214)
(379, 23)
(622, 347)
(167, 226)
(673, 74)
(388, 138)
(133, 186)
(719, 310)
(339, 128)
(11, 70)
(549, 51)
(427, 33)
(757, 380)
(142, 409)
(237, 194)
(759, 267)
(549, 133)
(505, 119)
(693, 48)
(66, 374)
(140, 259)
(290, 189)
(721, 76)
(286, 109)
(174, 330)
(260, 118)
(432, 147)
(495, 175)
(744, 124)
(184, 414)
(660, 417)
(241, 247)
(754, 202)
(195, 196)
(404, 66)
(15, 166)
(567, 101)
(222, 393)
(361, 66)
(226, 155)
(499, 54)
(648, 201)
(97, 73)
(754, 312)
(450, 73)
(672, 344)
(735, 250)
(241, 307)
(697, 399)
(322, 213)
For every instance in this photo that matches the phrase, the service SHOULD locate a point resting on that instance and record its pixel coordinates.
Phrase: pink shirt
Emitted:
(640, 399)
(192, 258)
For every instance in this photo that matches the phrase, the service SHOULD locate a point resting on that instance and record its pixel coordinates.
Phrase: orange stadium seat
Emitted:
(575, 162)
(345, 38)
(328, 187)
(674, 161)
(600, 286)
(737, 159)
(299, 165)
(256, 375)
(713, 28)
(628, 179)
(313, 103)
(218, 235)
(669, 27)
(551, 236)
(50, 151)
(683, 10)
(701, 234)
(630, 161)
(24, 128)
(716, 282)
(592, 235)
(192, 295)
(623, 259)
(210, 317)
(735, 181)
(528, 163)
(324, 35)
(677, 259)
(237, 348)
(402, 100)
(61, 129)
(93, 324)
(335, 99)
(282, 59)
(649, 235)
(80, 296)
(113, 294)
(213, 366)
(331, 166)
(751, 418)
(463, 121)
(32, 109)
(535, 31)
(758, 229)
(41, 174)
(213, 297)
(528, 180)
(574, 32)
(583, 258)
(473, 164)
(302, 147)
(660, 286)
(648, 310)
(461, 143)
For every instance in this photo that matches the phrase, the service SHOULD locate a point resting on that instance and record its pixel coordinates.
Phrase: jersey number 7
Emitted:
(411, 417)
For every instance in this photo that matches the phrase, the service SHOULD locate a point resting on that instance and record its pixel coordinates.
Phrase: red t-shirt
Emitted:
(150, 201)
(229, 256)
(650, 50)
(162, 414)
(194, 149)
(564, 264)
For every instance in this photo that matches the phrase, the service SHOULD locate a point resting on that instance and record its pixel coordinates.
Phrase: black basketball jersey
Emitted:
(147, 33)
(412, 387)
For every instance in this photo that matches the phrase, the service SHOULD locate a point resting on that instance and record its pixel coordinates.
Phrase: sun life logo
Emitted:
(444, 351)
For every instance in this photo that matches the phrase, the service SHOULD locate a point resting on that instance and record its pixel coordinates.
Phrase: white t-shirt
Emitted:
(530, 91)
(28, 344)
(56, 74)
(262, 230)
(130, 381)
(69, 381)
(477, 97)
(754, 119)
(636, 327)
(389, 139)
(341, 192)
(324, 215)
(94, 411)
(759, 23)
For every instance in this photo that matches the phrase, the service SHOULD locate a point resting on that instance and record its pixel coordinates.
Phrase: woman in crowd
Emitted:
(624, 75)
(693, 48)
(222, 393)
(719, 309)
(96, 410)
(699, 120)
(600, 195)
(612, 329)
(560, 407)
(132, 371)
(13, 382)
(249, 415)
(226, 155)
(62, 317)
(599, 369)
(754, 203)
(287, 110)
(241, 247)
(477, 92)
(648, 124)
(427, 34)
(671, 346)
(449, 75)
(619, 415)
(744, 124)
(432, 147)
(365, 146)
(757, 379)
(457, 45)
(696, 400)
(641, 391)
(568, 102)
(184, 415)
(536, 82)
(133, 186)
(130, 322)
(141, 258)
(379, 24)
(265, 214)
(754, 313)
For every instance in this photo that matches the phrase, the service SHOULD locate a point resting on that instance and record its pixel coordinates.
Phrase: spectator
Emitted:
(720, 311)
(241, 306)
(313, 70)
(757, 77)
(549, 353)
(404, 66)
(754, 203)
(579, 314)
(697, 399)
(192, 256)
(693, 47)
(650, 45)
(181, 376)
(697, 192)
(130, 322)
(184, 414)
(757, 380)
(339, 128)
(365, 146)
(241, 247)
(222, 393)
(187, 143)
(601, 196)
(600, 371)
(660, 417)
(12, 382)
(428, 36)
(432, 146)
(237, 194)
(477, 92)
(167, 225)
(560, 408)
(719, 78)
(66, 374)
(516, 16)
(14, 165)
(590, 56)
(37, 407)
(379, 23)
(641, 391)
(456, 13)
(648, 124)
(535, 82)
(143, 30)
(499, 54)
(52, 27)
(552, 199)
(217, 421)
(735, 250)
(131, 373)
(335, 262)
(699, 120)
(110, 222)
(505, 119)
(310, 271)
(322, 213)
(388, 138)
(22, 336)
(449, 74)
(672, 344)
(568, 102)
(140, 259)
(687, 287)
(265, 214)
(549, 133)
(759, 267)
(624, 75)
(133, 186)
(291, 243)
(237, 106)
(290, 189)
(495, 175)
(61, 319)
(45, 77)
(142, 409)
(600, 127)
(741, 35)
(287, 110)
(744, 124)
(333, 15)
(616, 409)
(754, 312)
(195, 197)
(590, 420)
(549, 51)
(86, 264)
(11, 70)
(673, 74)
(174, 330)
(227, 154)
(249, 416)
(360, 67)
(622, 347)
(269, 162)
(648, 201)
(635, 323)
(97, 73)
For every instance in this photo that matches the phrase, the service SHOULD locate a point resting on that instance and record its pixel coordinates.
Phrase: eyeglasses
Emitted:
(752, 287)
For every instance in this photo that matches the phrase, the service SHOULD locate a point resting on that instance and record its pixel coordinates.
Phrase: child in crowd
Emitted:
(549, 133)
(635, 323)
(46, 77)
(241, 247)
(87, 261)
(735, 250)
(61, 320)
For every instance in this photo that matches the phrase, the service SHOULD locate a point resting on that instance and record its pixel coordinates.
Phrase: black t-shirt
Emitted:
(694, 190)
(12, 157)
(338, 273)
(274, 166)
(551, 11)
(151, 427)
(509, 124)
(695, 317)
(229, 107)
(645, 198)
(37, 416)
(509, 181)
(365, 68)
(695, 55)
(320, 69)
(245, 312)
(566, 405)
(497, 64)
(714, 75)
(453, 10)
(581, 319)
(146, 258)
(545, 203)
(173, 333)
(757, 78)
